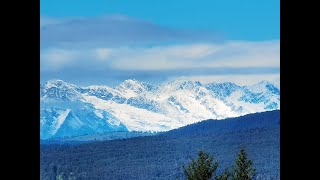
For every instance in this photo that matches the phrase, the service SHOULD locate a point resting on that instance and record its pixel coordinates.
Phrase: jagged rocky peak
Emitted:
(181, 85)
(136, 86)
(60, 90)
(58, 83)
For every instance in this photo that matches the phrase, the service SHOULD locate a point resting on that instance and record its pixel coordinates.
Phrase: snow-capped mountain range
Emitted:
(70, 110)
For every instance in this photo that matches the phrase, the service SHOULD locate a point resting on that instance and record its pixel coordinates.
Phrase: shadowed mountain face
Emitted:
(161, 156)
(70, 110)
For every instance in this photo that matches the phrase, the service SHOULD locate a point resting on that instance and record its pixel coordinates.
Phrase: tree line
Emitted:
(204, 168)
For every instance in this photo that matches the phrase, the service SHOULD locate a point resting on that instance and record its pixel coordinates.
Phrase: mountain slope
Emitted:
(259, 97)
(75, 119)
(269, 119)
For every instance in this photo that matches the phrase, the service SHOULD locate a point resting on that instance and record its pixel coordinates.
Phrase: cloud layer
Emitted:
(112, 31)
(226, 55)
(118, 47)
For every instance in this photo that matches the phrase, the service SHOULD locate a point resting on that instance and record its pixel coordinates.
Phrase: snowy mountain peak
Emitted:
(224, 85)
(132, 81)
(264, 86)
(130, 84)
(276, 83)
(132, 88)
(180, 85)
(264, 83)
(57, 83)
(222, 90)
(59, 90)
(139, 106)
(98, 87)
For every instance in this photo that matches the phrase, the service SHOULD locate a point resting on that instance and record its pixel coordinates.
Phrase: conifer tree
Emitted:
(59, 177)
(201, 169)
(226, 175)
(243, 169)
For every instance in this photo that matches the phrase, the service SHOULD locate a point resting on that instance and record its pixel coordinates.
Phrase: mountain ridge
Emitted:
(141, 106)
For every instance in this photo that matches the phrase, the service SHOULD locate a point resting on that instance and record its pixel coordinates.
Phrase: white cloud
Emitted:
(229, 54)
(54, 59)
(110, 31)
(191, 51)
(103, 53)
(114, 47)
(44, 21)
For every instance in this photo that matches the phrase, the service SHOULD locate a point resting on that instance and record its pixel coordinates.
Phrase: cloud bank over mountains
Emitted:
(118, 44)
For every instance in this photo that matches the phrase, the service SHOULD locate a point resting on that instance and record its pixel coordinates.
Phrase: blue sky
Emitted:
(106, 42)
(244, 20)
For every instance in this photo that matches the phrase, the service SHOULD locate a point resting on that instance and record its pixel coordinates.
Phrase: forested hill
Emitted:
(162, 156)
(267, 119)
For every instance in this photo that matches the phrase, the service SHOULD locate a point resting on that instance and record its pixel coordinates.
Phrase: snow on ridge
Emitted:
(98, 113)
(132, 117)
(143, 107)
(260, 86)
(58, 83)
(134, 84)
(60, 120)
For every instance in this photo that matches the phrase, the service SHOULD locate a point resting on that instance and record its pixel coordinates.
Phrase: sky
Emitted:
(107, 41)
